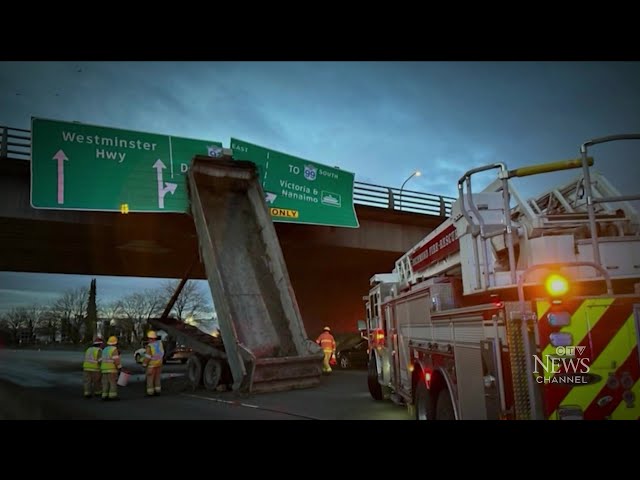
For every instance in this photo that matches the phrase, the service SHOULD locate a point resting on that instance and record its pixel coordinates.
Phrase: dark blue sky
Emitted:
(380, 120)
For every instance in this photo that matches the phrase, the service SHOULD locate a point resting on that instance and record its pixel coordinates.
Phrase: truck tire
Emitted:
(375, 389)
(194, 371)
(212, 374)
(444, 407)
(422, 402)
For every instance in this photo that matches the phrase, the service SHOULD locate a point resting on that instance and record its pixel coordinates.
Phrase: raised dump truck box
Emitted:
(265, 343)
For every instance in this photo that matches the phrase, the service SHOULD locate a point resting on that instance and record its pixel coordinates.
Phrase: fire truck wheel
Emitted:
(444, 407)
(375, 389)
(422, 402)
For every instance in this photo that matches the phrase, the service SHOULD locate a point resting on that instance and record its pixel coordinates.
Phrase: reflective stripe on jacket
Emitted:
(110, 359)
(92, 359)
(326, 341)
(153, 354)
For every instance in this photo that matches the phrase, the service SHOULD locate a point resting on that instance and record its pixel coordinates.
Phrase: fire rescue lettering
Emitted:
(445, 243)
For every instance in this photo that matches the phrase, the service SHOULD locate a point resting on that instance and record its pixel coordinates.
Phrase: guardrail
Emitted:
(11, 146)
(405, 200)
(15, 143)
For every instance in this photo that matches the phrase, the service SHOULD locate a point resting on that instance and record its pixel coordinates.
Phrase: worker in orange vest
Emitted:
(91, 369)
(153, 355)
(110, 366)
(328, 345)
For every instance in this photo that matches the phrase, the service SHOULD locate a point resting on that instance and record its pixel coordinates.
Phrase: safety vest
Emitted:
(155, 353)
(92, 359)
(326, 341)
(109, 357)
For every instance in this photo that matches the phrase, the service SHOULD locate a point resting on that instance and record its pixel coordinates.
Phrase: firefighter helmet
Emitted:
(151, 334)
(98, 340)
(326, 329)
(112, 341)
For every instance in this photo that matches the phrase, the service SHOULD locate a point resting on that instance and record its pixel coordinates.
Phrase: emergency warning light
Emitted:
(556, 285)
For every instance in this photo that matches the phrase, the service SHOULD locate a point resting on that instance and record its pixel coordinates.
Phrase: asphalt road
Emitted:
(52, 381)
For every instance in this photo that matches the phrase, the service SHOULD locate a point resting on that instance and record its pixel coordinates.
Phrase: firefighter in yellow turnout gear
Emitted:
(328, 345)
(91, 369)
(109, 366)
(153, 355)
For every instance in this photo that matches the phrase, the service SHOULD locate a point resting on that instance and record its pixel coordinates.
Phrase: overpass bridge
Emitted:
(329, 267)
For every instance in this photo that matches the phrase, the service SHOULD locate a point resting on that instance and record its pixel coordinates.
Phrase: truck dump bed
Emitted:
(264, 337)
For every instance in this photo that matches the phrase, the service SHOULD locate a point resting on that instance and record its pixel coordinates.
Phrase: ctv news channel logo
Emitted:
(565, 366)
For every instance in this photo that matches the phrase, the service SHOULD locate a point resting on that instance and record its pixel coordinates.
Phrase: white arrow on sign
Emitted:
(61, 158)
(271, 197)
(168, 187)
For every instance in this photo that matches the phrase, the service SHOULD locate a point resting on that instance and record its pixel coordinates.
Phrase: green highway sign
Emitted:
(76, 166)
(301, 191)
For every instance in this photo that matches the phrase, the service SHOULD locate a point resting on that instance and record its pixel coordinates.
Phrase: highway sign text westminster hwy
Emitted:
(76, 166)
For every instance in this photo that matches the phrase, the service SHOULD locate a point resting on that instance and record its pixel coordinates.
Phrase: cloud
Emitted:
(13, 298)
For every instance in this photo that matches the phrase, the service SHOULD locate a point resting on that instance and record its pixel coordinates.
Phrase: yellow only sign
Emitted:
(283, 212)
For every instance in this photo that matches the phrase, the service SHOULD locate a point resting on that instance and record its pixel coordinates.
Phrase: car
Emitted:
(353, 355)
(179, 353)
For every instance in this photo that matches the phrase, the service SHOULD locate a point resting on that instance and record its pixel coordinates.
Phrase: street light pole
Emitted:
(416, 173)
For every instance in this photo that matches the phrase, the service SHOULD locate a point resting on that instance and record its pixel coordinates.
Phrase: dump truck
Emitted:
(263, 345)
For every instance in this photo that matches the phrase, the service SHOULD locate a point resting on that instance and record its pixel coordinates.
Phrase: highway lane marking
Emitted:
(237, 403)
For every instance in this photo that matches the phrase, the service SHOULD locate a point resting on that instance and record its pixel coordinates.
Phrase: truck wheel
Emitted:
(212, 374)
(444, 407)
(422, 402)
(375, 389)
(194, 371)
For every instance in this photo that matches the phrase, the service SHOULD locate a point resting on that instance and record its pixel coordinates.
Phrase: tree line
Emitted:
(77, 315)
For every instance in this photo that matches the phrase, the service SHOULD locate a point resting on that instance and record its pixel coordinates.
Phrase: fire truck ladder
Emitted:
(588, 205)
(560, 209)
(565, 209)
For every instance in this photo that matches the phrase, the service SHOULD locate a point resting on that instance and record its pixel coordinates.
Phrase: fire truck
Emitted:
(515, 308)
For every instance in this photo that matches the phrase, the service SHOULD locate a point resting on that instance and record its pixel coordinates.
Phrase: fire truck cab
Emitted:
(515, 308)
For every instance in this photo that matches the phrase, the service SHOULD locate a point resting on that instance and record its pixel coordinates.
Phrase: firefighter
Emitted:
(110, 366)
(91, 368)
(153, 355)
(328, 344)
